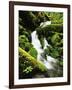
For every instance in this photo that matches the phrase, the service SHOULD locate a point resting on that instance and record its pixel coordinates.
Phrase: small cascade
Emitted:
(37, 45)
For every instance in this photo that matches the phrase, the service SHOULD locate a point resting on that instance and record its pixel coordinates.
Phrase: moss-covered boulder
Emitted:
(50, 29)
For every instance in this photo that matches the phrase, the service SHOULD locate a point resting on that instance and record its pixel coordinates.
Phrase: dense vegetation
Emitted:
(29, 66)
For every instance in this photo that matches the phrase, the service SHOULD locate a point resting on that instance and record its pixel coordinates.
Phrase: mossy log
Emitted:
(34, 63)
(55, 27)
(50, 28)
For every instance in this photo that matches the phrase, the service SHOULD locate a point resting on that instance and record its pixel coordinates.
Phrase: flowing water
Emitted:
(37, 45)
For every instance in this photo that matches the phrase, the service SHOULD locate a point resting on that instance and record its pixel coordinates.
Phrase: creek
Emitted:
(47, 60)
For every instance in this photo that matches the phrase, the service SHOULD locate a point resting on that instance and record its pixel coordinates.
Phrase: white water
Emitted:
(45, 43)
(43, 24)
(37, 45)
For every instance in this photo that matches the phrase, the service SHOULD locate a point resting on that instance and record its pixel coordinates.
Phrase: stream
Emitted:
(47, 60)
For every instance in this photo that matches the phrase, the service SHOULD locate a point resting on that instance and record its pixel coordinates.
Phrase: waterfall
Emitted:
(37, 45)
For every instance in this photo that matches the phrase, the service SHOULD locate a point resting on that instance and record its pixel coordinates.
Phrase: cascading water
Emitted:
(37, 45)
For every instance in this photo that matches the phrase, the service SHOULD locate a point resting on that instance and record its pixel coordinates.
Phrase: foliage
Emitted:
(55, 17)
(24, 43)
(28, 64)
(28, 70)
(33, 52)
(30, 21)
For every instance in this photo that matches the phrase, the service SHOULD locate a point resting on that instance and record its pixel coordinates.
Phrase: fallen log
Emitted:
(34, 63)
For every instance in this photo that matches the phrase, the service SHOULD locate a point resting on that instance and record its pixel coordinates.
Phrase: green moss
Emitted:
(50, 29)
